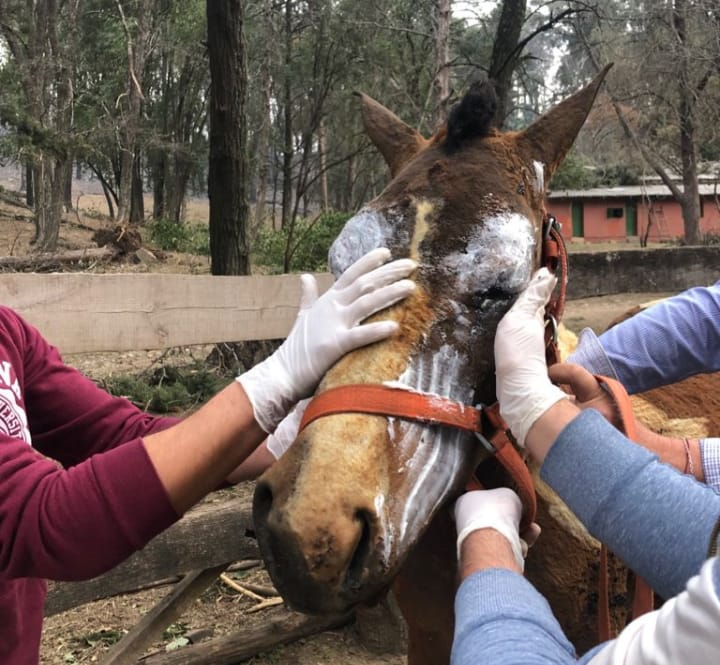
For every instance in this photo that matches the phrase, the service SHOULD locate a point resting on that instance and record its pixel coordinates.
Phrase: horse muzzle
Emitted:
(322, 559)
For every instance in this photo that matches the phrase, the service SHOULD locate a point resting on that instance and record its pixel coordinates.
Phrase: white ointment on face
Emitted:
(363, 232)
(539, 177)
(431, 456)
(499, 254)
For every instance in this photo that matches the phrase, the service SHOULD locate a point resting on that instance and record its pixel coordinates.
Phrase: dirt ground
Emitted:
(83, 635)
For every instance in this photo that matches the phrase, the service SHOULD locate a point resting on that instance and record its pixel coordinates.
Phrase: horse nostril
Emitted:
(358, 563)
(262, 503)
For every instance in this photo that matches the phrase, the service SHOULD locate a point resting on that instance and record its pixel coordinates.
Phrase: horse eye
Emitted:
(495, 292)
(521, 188)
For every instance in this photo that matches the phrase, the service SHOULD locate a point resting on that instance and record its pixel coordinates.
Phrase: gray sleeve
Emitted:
(660, 522)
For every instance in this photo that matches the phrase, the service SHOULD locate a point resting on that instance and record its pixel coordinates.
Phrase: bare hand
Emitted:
(589, 394)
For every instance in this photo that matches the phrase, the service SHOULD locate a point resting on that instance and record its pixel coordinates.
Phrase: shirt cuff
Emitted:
(710, 455)
(590, 354)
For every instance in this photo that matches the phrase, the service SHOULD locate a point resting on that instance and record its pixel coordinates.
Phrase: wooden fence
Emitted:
(83, 313)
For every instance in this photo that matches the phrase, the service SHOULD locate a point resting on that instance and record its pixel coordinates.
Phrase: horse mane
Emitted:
(472, 116)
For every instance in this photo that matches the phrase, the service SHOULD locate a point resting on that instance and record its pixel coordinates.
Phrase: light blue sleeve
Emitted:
(665, 343)
(710, 456)
(500, 618)
(657, 520)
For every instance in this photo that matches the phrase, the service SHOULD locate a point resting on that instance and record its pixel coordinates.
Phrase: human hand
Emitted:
(523, 388)
(499, 509)
(585, 389)
(286, 432)
(327, 327)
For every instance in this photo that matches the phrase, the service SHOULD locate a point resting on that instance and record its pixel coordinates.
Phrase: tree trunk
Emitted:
(441, 82)
(322, 147)
(137, 48)
(690, 202)
(263, 150)
(505, 54)
(158, 183)
(288, 130)
(137, 202)
(29, 186)
(227, 177)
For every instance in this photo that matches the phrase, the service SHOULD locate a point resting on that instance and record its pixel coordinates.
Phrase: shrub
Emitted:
(167, 389)
(310, 242)
(173, 237)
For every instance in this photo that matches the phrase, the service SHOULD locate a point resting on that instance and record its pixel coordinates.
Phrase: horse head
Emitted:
(337, 515)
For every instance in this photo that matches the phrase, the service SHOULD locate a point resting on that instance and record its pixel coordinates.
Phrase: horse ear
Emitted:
(550, 137)
(396, 141)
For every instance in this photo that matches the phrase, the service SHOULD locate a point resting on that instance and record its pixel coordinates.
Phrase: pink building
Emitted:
(624, 213)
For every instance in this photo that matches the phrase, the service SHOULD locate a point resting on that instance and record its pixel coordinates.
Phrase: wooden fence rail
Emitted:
(83, 313)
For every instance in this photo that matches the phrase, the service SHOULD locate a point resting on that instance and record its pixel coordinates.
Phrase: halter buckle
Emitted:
(551, 322)
(480, 436)
(551, 223)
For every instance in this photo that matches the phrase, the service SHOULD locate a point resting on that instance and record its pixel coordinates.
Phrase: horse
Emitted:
(360, 500)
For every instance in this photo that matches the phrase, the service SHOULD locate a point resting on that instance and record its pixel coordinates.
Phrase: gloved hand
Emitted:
(286, 432)
(325, 330)
(498, 509)
(523, 388)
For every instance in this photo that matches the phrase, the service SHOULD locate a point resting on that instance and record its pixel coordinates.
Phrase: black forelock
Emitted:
(472, 116)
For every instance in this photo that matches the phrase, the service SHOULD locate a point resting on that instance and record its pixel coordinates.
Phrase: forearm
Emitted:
(253, 466)
(483, 549)
(618, 489)
(501, 619)
(197, 455)
(684, 454)
(674, 339)
(76, 523)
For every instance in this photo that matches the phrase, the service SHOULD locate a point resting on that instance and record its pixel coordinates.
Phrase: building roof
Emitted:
(631, 191)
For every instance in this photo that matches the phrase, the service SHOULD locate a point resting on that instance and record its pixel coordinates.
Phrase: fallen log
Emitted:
(12, 199)
(243, 644)
(48, 261)
(207, 536)
(143, 634)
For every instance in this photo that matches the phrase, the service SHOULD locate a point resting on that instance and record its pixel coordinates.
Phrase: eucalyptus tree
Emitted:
(40, 37)
(228, 164)
(176, 101)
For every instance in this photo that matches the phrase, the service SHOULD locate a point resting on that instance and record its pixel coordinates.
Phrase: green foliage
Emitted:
(167, 389)
(574, 173)
(710, 238)
(580, 172)
(308, 243)
(174, 237)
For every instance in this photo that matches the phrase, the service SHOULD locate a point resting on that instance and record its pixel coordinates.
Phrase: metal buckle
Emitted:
(551, 321)
(550, 224)
(480, 436)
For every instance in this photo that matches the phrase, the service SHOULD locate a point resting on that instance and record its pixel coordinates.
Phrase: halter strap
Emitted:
(555, 259)
(484, 422)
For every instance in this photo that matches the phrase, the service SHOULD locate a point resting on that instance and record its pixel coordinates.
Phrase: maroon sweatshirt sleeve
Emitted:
(69, 523)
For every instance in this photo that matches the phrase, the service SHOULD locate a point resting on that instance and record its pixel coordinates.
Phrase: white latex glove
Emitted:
(281, 439)
(325, 330)
(499, 509)
(523, 388)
